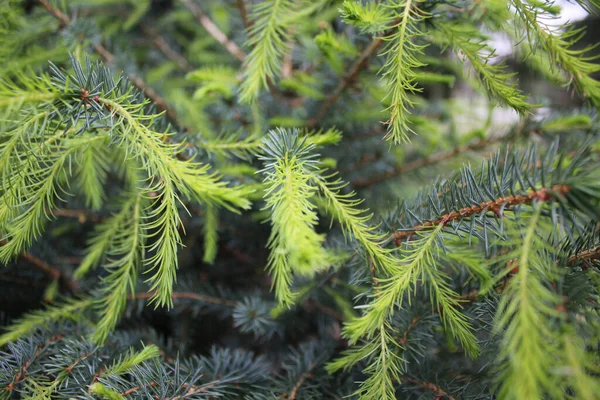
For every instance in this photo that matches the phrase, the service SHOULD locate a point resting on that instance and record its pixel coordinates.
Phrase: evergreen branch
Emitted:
(69, 309)
(214, 30)
(419, 265)
(508, 181)
(578, 64)
(295, 246)
(399, 71)
(211, 234)
(523, 314)
(418, 259)
(267, 36)
(42, 189)
(126, 252)
(108, 57)
(493, 206)
(469, 43)
(191, 178)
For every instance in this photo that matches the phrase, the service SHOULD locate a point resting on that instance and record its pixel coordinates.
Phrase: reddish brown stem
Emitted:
(492, 205)
(241, 5)
(81, 215)
(410, 327)
(586, 255)
(294, 393)
(41, 265)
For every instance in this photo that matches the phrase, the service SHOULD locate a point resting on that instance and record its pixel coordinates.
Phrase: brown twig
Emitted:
(22, 374)
(241, 5)
(81, 215)
(294, 392)
(425, 161)
(586, 255)
(348, 79)
(325, 310)
(161, 43)
(187, 295)
(135, 389)
(214, 30)
(429, 386)
(190, 389)
(542, 194)
(42, 265)
(442, 156)
(62, 17)
(402, 341)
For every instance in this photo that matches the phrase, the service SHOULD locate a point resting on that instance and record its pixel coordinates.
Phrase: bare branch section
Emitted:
(425, 161)
(348, 79)
(429, 386)
(42, 265)
(214, 30)
(436, 158)
(241, 5)
(351, 76)
(161, 43)
(294, 393)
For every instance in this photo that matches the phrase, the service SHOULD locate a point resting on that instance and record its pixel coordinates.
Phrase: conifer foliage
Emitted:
(281, 199)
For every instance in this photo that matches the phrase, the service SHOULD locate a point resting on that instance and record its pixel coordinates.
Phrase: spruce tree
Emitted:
(298, 199)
